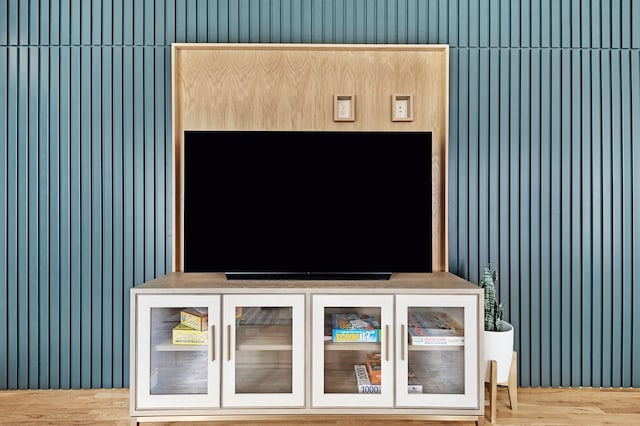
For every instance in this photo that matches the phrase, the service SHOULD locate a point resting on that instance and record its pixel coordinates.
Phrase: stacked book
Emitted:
(374, 366)
(366, 383)
(436, 328)
(363, 381)
(355, 328)
(192, 329)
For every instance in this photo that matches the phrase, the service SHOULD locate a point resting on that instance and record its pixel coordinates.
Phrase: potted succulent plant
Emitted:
(498, 333)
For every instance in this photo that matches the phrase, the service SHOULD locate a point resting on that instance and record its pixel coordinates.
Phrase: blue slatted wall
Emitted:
(544, 131)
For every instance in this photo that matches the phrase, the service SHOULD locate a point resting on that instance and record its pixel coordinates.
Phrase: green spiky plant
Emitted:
(492, 309)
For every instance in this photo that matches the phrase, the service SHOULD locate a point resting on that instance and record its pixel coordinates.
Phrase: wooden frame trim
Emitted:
(180, 98)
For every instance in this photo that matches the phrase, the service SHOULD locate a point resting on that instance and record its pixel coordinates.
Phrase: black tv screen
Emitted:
(307, 204)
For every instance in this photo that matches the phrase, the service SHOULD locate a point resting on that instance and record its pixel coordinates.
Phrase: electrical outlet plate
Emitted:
(344, 108)
(401, 107)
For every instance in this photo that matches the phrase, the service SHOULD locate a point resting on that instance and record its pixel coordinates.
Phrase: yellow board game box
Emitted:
(194, 318)
(184, 335)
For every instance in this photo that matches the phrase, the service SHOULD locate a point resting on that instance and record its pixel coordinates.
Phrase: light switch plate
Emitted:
(401, 107)
(344, 108)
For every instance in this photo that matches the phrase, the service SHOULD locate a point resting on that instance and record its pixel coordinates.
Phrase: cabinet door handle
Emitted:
(212, 336)
(228, 342)
(386, 343)
(402, 341)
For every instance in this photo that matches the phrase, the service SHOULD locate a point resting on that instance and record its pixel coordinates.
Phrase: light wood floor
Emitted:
(536, 406)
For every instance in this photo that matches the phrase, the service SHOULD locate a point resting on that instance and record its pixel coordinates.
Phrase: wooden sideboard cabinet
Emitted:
(206, 348)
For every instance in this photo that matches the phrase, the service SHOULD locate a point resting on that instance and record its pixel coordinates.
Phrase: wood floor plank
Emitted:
(536, 406)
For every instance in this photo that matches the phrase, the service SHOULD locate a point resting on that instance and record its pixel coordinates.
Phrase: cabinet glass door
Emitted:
(437, 343)
(264, 350)
(177, 351)
(352, 362)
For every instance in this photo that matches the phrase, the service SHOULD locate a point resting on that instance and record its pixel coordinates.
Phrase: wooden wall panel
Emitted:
(292, 87)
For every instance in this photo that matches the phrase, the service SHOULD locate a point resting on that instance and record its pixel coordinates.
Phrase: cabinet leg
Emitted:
(480, 421)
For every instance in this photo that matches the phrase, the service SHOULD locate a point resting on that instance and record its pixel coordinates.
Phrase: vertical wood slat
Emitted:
(22, 211)
(566, 220)
(40, 377)
(28, 291)
(462, 165)
(53, 259)
(473, 172)
(454, 156)
(97, 216)
(11, 197)
(482, 172)
(514, 124)
(596, 246)
(523, 307)
(76, 224)
(544, 270)
(585, 207)
(504, 171)
(105, 346)
(64, 247)
(556, 266)
(4, 24)
(534, 218)
(127, 191)
(117, 150)
(576, 220)
(635, 155)
(161, 142)
(617, 206)
(607, 221)
(4, 207)
(85, 83)
(494, 157)
(627, 219)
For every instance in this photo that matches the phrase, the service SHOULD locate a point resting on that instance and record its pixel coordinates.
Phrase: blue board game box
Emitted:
(354, 328)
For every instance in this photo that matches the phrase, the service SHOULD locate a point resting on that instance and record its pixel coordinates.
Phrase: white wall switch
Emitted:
(344, 108)
(401, 108)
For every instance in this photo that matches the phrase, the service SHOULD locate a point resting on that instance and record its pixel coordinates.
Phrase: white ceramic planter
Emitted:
(498, 345)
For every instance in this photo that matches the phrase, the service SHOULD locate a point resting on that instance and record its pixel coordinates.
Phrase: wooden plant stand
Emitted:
(511, 383)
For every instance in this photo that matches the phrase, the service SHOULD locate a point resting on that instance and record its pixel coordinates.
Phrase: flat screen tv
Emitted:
(307, 204)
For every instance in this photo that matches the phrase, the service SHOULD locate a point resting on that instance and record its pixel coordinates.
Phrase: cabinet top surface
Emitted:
(398, 283)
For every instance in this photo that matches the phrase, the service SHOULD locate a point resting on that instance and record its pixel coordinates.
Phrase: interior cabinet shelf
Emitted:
(369, 347)
(264, 345)
(168, 346)
(263, 338)
(435, 348)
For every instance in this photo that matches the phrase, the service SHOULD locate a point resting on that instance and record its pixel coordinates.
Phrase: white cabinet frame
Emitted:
(320, 398)
(147, 400)
(229, 396)
(468, 399)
